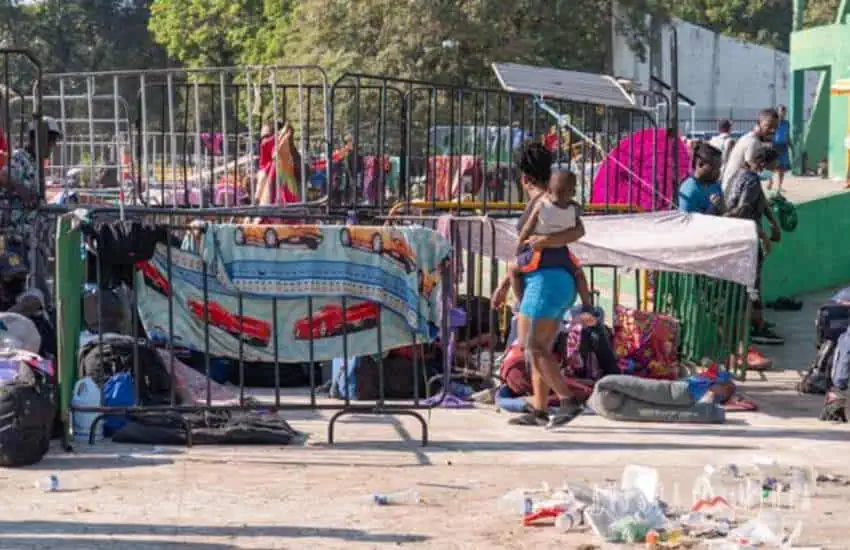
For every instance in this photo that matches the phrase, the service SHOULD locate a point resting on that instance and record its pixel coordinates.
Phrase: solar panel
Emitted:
(551, 83)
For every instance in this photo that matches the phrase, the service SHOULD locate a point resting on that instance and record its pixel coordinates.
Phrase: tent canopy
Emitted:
(721, 248)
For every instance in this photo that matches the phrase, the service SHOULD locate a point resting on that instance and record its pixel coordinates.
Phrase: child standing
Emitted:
(556, 211)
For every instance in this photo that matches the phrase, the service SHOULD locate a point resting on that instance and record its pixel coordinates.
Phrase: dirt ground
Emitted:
(313, 495)
(317, 496)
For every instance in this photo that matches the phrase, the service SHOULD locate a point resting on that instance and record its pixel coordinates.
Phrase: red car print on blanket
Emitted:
(380, 241)
(153, 278)
(273, 236)
(330, 321)
(253, 331)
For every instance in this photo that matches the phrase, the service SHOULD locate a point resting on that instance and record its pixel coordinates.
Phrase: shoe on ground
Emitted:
(531, 418)
(757, 361)
(566, 413)
(765, 336)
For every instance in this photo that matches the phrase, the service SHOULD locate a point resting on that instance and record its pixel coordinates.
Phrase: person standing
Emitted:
(743, 151)
(746, 200)
(723, 141)
(782, 141)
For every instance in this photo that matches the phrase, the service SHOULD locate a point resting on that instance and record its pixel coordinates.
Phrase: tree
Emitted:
(206, 33)
(820, 12)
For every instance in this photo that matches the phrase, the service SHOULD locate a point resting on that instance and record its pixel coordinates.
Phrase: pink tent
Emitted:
(626, 175)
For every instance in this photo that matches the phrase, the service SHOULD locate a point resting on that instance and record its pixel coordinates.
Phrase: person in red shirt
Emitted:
(550, 140)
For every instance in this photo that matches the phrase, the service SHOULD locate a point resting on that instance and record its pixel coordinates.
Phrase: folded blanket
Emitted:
(629, 398)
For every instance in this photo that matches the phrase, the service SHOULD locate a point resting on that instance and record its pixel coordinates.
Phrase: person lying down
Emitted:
(632, 399)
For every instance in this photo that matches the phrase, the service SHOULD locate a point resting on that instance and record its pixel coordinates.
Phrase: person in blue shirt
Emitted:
(701, 192)
(782, 141)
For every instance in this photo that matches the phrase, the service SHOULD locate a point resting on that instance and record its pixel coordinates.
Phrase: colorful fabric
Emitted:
(276, 268)
(647, 344)
(446, 173)
(627, 174)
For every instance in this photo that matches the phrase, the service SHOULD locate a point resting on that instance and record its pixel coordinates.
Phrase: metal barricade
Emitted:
(188, 137)
(210, 318)
(431, 147)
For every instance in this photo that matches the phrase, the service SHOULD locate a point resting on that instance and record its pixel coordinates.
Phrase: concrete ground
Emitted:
(313, 495)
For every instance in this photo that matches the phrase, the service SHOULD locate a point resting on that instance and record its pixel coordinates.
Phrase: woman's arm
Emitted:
(556, 240)
(529, 227)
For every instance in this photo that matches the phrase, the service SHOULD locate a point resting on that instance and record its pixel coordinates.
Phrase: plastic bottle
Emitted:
(50, 484)
(86, 394)
(397, 498)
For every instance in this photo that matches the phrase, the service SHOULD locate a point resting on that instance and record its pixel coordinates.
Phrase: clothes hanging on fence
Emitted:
(447, 174)
(375, 168)
(119, 245)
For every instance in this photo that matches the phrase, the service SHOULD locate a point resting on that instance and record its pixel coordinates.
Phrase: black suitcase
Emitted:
(832, 320)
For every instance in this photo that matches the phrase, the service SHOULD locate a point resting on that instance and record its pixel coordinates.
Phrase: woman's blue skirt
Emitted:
(548, 293)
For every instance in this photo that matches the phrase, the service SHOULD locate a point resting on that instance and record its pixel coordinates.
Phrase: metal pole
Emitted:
(674, 106)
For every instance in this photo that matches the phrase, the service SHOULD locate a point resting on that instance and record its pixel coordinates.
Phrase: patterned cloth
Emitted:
(277, 287)
(647, 344)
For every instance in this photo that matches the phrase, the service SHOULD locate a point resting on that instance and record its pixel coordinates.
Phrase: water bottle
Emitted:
(49, 485)
(397, 498)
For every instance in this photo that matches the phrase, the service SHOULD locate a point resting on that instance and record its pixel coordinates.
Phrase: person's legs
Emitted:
(761, 333)
(541, 340)
(537, 416)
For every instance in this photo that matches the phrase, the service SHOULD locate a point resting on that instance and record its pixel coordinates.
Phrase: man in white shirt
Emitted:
(748, 145)
(723, 141)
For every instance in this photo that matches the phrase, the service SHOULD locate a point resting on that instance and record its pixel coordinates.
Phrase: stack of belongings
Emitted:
(27, 397)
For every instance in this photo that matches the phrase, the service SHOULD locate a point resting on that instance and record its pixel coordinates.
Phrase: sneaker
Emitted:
(531, 418)
(757, 361)
(567, 412)
(765, 336)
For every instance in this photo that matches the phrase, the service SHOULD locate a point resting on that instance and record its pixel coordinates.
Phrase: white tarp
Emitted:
(722, 248)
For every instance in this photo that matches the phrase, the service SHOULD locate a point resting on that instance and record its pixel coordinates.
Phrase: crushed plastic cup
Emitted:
(766, 529)
(567, 521)
(641, 478)
(524, 501)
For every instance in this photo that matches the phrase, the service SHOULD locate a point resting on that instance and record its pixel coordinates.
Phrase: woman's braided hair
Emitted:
(535, 161)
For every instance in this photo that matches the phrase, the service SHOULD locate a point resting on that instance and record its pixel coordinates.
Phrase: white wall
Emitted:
(724, 76)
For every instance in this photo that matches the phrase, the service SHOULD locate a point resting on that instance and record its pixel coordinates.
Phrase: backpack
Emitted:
(817, 379)
(834, 407)
(27, 413)
(832, 320)
(364, 378)
(118, 391)
(116, 356)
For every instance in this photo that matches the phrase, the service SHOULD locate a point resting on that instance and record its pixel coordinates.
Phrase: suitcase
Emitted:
(832, 320)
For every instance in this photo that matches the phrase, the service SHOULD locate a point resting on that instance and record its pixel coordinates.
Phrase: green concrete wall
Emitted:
(826, 47)
(815, 256)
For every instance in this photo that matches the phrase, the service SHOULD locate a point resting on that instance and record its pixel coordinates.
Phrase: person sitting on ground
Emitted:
(744, 149)
(700, 192)
(747, 200)
(723, 141)
(556, 211)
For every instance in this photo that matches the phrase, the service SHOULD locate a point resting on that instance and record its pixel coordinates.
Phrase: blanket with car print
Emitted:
(293, 292)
